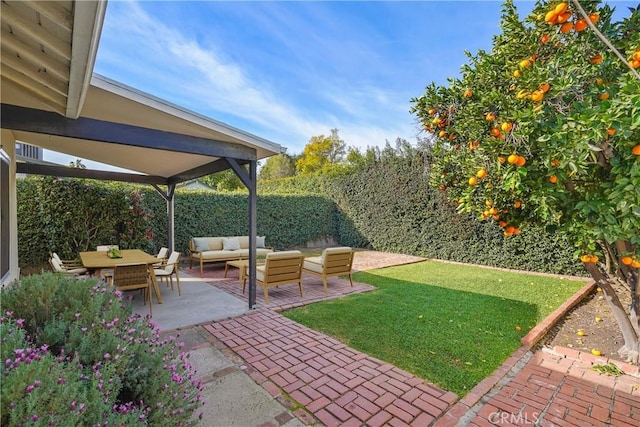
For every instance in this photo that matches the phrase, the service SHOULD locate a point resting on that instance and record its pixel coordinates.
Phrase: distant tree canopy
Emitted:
(322, 153)
(279, 166)
(226, 180)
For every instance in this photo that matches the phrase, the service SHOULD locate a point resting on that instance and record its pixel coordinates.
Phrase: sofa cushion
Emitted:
(313, 266)
(263, 251)
(230, 244)
(260, 241)
(220, 255)
(215, 243)
(244, 241)
(260, 273)
(201, 244)
(283, 254)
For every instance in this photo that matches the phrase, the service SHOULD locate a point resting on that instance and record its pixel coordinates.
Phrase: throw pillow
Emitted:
(201, 244)
(260, 241)
(231, 244)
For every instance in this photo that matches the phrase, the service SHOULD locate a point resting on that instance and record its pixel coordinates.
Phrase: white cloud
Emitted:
(200, 75)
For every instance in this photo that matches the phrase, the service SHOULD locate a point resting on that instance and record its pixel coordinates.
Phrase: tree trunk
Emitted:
(631, 349)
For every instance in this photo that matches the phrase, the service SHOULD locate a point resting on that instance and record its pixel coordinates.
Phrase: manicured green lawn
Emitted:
(450, 324)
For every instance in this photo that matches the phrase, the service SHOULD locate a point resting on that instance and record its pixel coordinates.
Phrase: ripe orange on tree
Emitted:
(468, 93)
(512, 159)
(545, 87)
(517, 204)
(596, 59)
(566, 27)
(521, 161)
(563, 18)
(580, 25)
(611, 131)
(626, 260)
(561, 8)
(635, 263)
(481, 173)
(473, 181)
(594, 17)
(506, 126)
(551, 17)
(537, 95)
(490, 116)
(525, 63)
(516, 73)
(544, 38)
(603, 96)
(553, 179)
(636, 150)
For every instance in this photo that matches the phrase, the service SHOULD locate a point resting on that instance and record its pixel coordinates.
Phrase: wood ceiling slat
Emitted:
(31, 70)
(56, 13)
(57, 102)
(22, 26)
(12, 44)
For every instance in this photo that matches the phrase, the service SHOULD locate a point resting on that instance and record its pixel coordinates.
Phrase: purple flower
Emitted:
(107, 356)
(36, 383)
(20, 323)
(77, 315)
(35, 418)
(9, 314)
(29, 388)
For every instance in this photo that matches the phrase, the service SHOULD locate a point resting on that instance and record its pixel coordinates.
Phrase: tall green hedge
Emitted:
(389, 206)
(386, 205)
(286, 221)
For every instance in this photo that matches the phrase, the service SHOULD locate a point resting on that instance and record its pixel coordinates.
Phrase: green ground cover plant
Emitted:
(74, 355)
(448, 323)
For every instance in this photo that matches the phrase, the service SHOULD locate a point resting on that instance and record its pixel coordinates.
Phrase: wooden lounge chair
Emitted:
(333, 262)
(280, 268)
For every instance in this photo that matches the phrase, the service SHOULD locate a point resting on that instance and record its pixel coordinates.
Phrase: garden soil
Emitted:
(594, 318)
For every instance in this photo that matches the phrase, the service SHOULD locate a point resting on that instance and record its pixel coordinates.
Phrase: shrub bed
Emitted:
(73, 354)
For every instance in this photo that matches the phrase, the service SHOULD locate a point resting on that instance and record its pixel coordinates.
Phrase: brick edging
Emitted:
(586, 357)
(539, 331)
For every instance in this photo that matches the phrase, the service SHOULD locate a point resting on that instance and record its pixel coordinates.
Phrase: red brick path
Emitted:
(323, 380)
(336, 384)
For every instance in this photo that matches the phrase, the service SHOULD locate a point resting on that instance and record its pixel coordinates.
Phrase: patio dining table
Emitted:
(97, 260)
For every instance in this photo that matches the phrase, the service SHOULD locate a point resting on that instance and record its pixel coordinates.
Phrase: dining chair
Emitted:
(162, 257)
(58, 268)
(129, 277)
(170, 269)
(67, 263)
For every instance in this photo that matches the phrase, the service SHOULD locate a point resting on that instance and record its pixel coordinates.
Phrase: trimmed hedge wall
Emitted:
(390, 207)
(386, 206)
(287, 221)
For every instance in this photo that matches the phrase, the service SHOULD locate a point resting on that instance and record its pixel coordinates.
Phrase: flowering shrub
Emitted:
(73, 354)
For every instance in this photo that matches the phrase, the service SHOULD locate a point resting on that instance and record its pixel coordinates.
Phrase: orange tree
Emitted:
(545, 129)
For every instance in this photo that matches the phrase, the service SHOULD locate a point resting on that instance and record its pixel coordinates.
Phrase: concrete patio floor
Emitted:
(261, 369)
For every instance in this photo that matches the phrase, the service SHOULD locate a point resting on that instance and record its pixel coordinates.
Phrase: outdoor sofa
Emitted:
(219, 249)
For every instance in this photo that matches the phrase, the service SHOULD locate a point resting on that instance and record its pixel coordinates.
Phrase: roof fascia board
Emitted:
(88, 18)
(128, 92)
(69, 172)
(44, 122)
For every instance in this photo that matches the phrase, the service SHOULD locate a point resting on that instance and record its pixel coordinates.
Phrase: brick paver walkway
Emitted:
(324, 381)
(336, 384)
(556, 388)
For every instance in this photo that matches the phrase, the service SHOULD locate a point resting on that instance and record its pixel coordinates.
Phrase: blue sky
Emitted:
(287, 71)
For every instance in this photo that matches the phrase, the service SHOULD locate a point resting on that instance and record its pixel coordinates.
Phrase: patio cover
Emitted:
(50, 98)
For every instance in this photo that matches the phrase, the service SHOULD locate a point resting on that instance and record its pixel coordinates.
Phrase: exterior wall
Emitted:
(8, 142)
